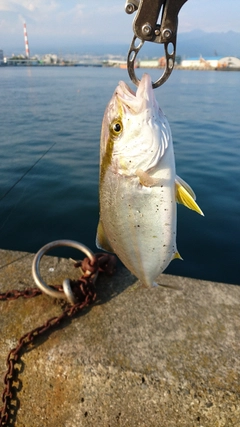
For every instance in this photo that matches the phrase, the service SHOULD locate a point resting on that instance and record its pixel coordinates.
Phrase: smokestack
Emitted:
(26, 41)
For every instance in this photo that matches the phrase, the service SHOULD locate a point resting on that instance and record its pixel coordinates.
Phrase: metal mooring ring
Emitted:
(67, 292)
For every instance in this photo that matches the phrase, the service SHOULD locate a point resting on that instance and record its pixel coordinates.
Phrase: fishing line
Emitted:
(25, 173)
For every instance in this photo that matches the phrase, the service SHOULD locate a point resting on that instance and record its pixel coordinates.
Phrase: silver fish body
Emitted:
(138, 183)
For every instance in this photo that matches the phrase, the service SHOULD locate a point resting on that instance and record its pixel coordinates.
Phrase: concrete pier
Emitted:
(164, 357)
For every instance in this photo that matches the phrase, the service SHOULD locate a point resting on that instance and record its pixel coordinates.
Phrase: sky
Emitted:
(65, 23)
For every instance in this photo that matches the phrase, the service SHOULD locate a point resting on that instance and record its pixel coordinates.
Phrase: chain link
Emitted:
(14, 294)
(85, 292)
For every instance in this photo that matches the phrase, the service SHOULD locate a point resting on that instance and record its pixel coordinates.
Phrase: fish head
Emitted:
(135, 132)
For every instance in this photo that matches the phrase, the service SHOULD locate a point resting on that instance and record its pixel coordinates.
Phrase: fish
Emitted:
(138, 186)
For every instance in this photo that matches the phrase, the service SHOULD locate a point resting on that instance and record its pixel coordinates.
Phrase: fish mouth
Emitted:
(141, 100)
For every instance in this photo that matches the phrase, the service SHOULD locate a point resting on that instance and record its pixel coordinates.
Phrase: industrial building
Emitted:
(230, 62)
(215, 62)
(50, 59)
(149, 63)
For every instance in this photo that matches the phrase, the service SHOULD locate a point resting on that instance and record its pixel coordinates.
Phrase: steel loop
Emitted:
(170, 59)
(67, 292)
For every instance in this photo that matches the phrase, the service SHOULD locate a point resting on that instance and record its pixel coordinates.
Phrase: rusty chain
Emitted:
(85, 292)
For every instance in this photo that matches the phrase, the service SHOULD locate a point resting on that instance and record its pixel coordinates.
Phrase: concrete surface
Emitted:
(138, 357)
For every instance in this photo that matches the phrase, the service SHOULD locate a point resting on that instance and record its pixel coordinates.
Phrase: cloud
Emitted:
(34, 10)
(5, 5)
(69, 22)
(210, 16)
(71, 15)
(15, 5)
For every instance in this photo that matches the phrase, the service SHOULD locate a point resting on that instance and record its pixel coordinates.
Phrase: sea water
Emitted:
(61, 109)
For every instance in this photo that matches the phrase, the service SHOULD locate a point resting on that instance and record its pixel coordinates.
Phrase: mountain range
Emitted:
(190, 44)
(198, 42)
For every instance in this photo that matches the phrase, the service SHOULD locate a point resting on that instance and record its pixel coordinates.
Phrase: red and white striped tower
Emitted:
(26, 41)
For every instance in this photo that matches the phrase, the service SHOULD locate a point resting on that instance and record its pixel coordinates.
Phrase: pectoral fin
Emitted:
(101, 239)
(186, 196)
(186, 186)
(145, 179)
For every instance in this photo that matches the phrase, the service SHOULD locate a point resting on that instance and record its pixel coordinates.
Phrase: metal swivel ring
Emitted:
(67, 292)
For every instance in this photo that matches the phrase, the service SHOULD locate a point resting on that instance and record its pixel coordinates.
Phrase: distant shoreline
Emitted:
(99, 65)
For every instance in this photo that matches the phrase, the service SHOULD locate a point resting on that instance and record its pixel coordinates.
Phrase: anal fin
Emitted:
(101, 239)
(177, 255)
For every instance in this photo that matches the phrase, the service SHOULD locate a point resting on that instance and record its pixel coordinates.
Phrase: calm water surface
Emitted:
(58, 197)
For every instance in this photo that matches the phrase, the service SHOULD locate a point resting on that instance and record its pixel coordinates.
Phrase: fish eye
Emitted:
(116, 127)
